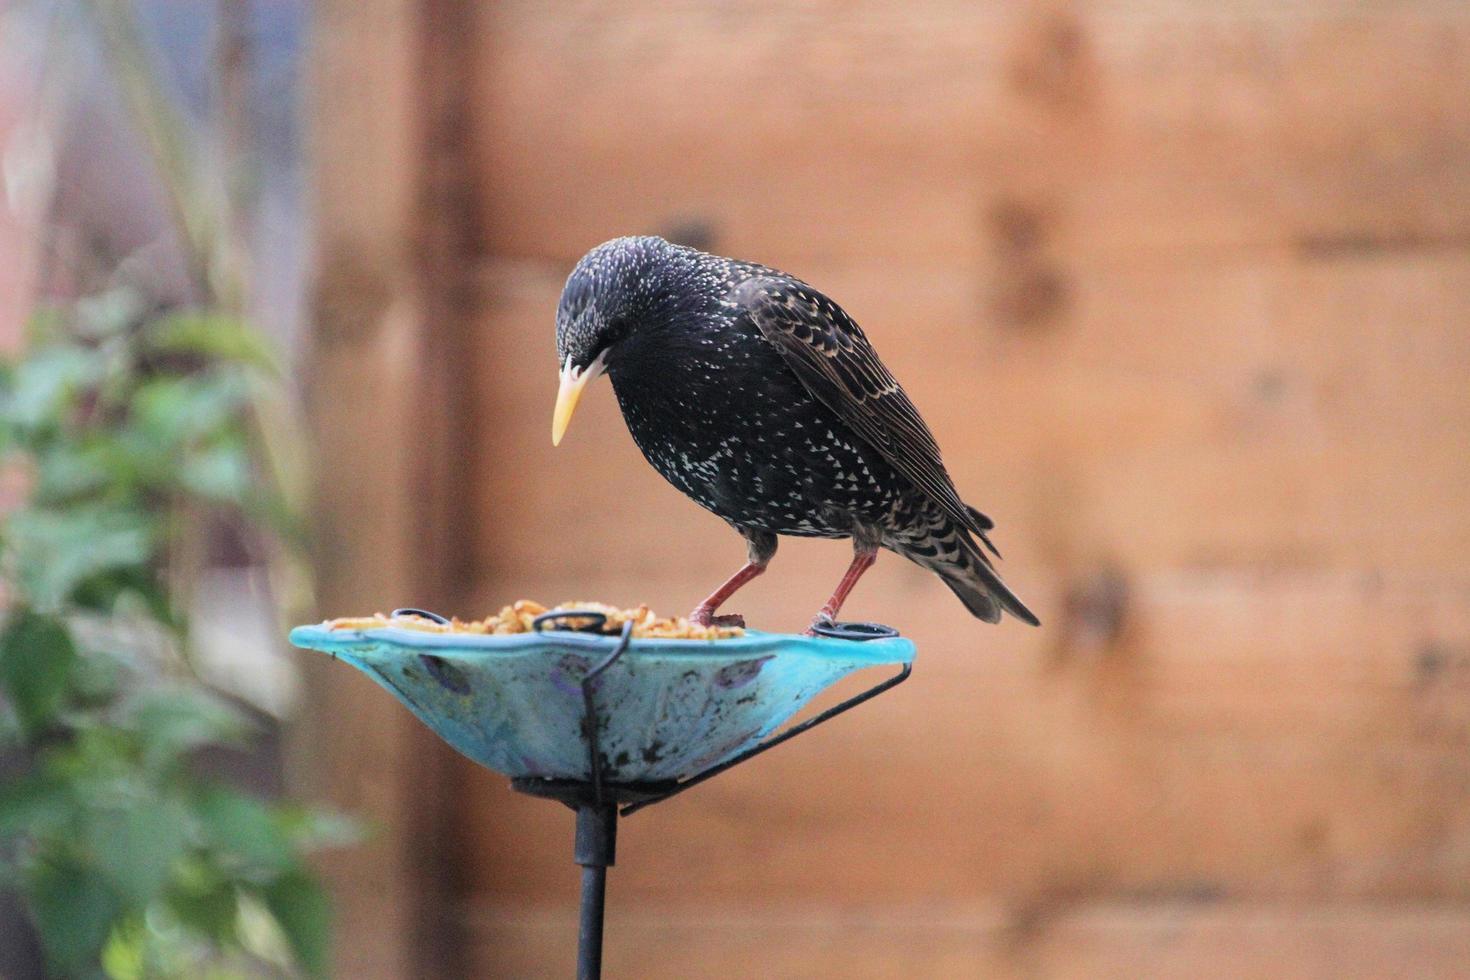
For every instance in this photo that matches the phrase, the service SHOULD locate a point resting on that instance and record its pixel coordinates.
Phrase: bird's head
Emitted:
(614, 289)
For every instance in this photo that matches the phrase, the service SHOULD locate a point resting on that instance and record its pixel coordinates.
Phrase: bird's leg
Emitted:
(760, 546)
(864, 555)
(704, 613)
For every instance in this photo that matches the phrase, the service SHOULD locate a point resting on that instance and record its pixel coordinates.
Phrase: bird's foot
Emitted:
(704, 616)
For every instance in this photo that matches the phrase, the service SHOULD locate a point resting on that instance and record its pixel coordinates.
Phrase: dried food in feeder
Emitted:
(520, 616)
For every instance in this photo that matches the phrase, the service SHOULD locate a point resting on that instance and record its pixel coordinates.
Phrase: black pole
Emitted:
(595, 850)
(594, 801)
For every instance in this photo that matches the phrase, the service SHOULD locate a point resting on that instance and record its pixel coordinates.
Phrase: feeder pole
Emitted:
(595, 851)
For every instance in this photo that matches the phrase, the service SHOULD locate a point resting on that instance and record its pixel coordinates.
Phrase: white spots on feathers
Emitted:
(727, 423)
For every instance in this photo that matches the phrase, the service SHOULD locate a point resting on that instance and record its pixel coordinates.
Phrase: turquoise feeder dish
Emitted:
(667, 709)
(602, 721)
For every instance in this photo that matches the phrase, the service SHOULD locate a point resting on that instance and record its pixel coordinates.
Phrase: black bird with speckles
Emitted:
(762, 400)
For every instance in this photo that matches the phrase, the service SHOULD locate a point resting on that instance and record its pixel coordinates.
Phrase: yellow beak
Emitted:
(570, 392)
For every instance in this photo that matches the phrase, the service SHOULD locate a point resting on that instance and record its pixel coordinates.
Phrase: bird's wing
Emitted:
(830, 355)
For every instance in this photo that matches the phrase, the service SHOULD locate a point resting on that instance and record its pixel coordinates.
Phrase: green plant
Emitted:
(130, 436)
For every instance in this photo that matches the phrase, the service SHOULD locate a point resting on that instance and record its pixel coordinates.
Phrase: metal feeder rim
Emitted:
(875, 653)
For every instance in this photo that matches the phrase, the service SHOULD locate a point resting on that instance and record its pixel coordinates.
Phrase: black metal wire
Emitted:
(599, 620)
(422, 614)
(771, 743)
(857, 632)
(589, 707)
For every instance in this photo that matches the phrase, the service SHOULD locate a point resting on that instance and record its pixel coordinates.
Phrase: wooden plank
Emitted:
(1266, 942)
(1245, 734)
(1310, 126)
(447, 241)
(1076, 939)
(354, 747)
(1267, 412)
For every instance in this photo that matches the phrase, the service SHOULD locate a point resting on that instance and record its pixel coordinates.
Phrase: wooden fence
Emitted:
(1183, 290)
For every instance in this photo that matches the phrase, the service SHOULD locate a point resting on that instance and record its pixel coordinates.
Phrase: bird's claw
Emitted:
(706, 617)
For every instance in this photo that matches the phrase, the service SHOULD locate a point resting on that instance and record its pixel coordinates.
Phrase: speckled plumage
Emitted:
(760, 399)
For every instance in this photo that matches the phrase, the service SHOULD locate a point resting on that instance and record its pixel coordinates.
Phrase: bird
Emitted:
(758, 397)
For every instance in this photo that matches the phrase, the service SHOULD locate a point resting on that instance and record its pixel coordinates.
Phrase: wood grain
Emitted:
(354, 747)
(1171, 130)
(1183, 297)
(1084, 940)
(1274, 411)
(1183, 293)
(1316, 750)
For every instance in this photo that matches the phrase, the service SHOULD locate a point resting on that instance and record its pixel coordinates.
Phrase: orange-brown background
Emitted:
(1183, 290)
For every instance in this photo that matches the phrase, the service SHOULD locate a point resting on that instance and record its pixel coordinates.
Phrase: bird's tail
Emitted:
(952, 554)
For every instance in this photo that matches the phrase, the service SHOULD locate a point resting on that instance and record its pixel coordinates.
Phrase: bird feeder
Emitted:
(609, 724)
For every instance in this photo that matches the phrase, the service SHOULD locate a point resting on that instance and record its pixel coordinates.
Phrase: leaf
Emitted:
(67, 470)
(44, 384)
(220, 472)
(74, 911)
(96, 680)
(55, 551)
(246, 829)
(173, 721)
(204, 900)
(35, 804)
(101, 592)
(216, 337)
(125, 957)
(36, 659)
(171, 412)
(301, 907)
(136, 846)
(11, 734)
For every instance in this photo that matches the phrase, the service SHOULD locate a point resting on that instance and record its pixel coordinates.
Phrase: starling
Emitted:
(762, 400)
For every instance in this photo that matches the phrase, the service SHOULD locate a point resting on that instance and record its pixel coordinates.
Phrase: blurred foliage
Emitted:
(129, 433)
